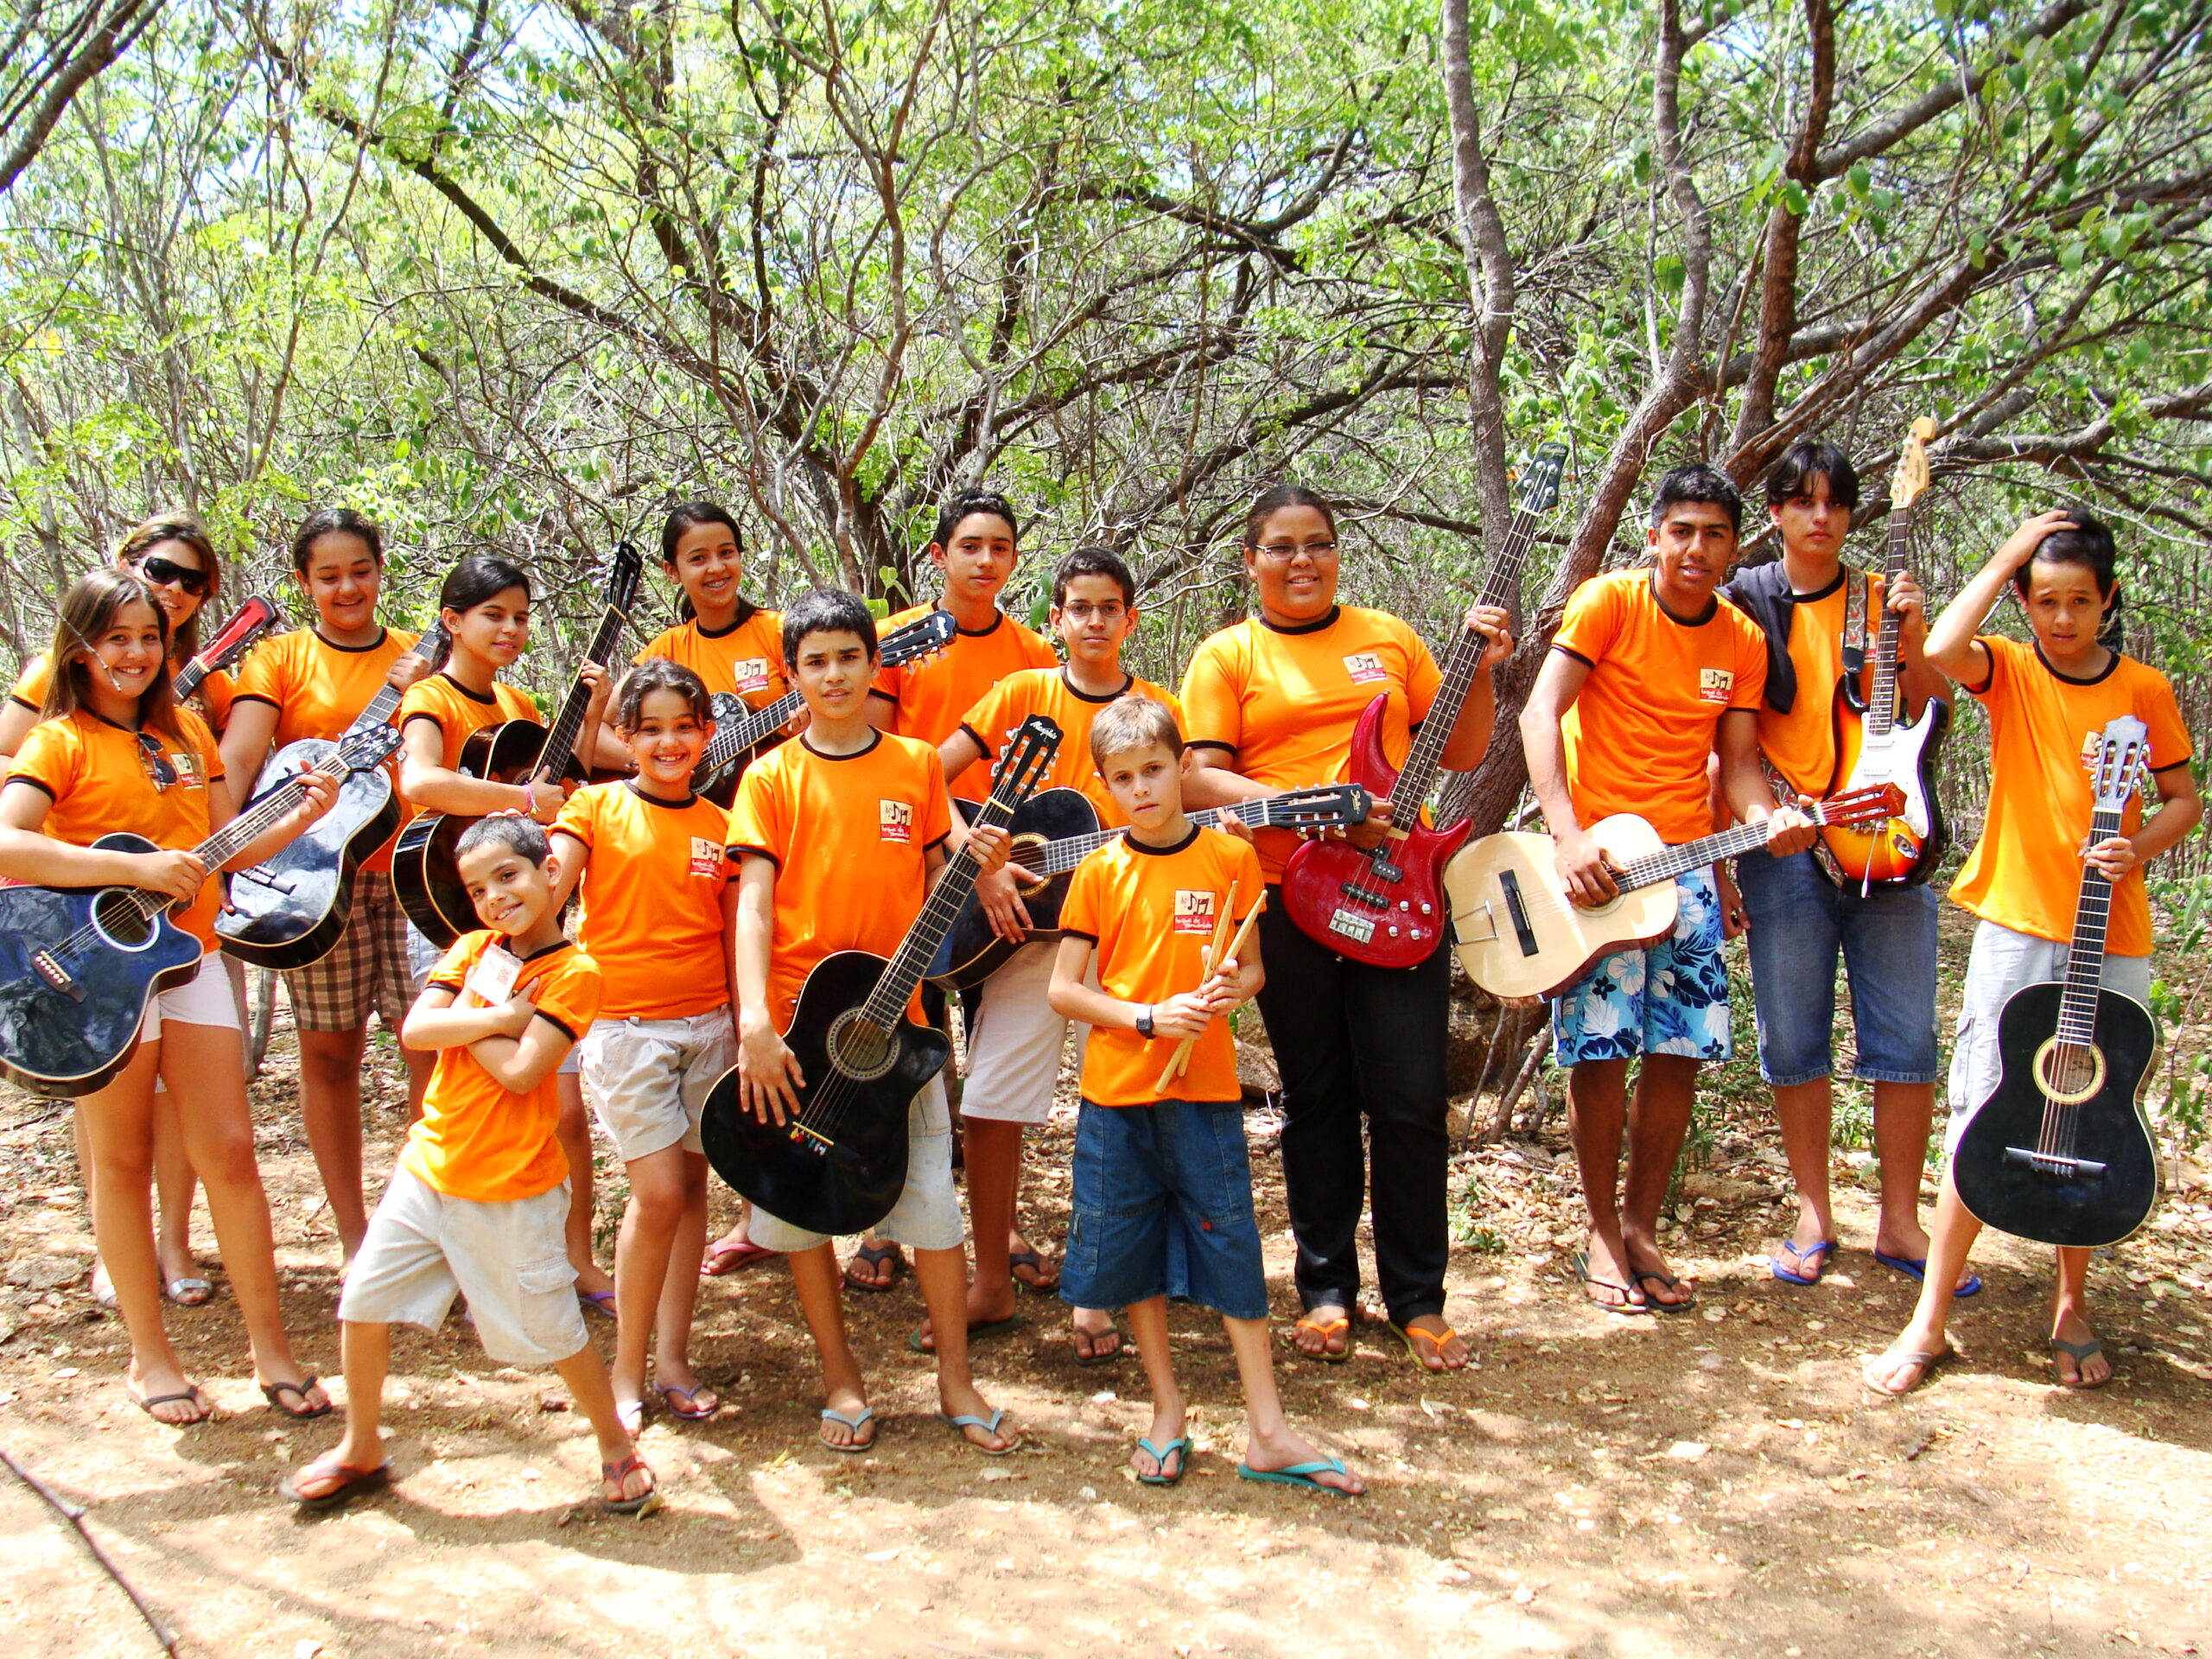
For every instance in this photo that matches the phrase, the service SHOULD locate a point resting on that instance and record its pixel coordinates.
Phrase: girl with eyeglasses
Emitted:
(113, 752)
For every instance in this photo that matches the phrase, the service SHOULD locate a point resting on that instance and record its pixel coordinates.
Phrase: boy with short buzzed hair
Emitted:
(1163, 1185)
(479, 1204)
(839, 834)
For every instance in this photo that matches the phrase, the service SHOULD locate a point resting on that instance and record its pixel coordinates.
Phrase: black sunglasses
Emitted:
(159, 772)
(168, 573)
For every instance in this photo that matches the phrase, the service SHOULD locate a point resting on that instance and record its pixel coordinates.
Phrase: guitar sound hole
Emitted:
(120, 921)
(2070, 1073)
(861, 1051)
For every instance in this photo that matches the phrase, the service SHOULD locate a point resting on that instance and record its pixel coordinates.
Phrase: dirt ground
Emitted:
(1714, 1483)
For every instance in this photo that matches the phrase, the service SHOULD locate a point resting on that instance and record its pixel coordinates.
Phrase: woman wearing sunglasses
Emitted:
(173, 555)
(114, 753)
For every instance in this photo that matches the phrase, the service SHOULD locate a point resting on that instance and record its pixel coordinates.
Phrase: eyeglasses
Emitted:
(159, 772)
(1111, 610)
(168, 573)
(1283, 552)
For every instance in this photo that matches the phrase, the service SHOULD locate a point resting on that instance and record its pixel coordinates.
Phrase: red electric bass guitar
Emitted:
(1385, 906)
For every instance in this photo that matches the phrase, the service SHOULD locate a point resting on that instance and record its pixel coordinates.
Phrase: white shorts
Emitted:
(510, 1260)
(648, 1080)
(203, 1000)
(927, 1214)
(2001, 963)
(1016, 1041)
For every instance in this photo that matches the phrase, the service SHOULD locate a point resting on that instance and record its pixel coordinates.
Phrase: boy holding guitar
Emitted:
(1648, 675)
(2046, 700)
(839, 836)
(1817, 614)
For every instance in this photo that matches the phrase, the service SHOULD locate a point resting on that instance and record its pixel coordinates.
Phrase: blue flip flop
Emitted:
(1817, 1252)
(961, 1424)
(1916, 1269)
(859, 1421)
(1300, 1474)
(1178, 1448)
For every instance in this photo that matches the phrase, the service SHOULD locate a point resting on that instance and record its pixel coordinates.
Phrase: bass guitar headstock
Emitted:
(1876, 804)
(1324, 806)
(1911, 480)
(1539, 479)
(920, 638)
(2118, 759)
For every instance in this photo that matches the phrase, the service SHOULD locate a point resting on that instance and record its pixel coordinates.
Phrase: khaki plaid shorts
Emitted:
(368, 968)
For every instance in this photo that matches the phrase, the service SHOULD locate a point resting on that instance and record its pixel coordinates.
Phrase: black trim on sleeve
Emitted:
(256, 696)
(739, 849)
(1566, 651)
(456, 986)
(931, 846)
(1228, 749)
(978, 736)
(891, 697)
(1077, 933)
(2169, 766)
(1981, 690)
(420, 714)
(558, 1025)
(43, 789)
(20, 704)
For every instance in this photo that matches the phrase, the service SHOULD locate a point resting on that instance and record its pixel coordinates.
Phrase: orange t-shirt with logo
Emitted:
(1639, 735)
(932, 694)
(1286, 700)
(1047, 691)
(851, 836)
(1151, 911)
(652, 898)
(477, 1139)
(319, 689)
(211, 701)
(2025, 872)
(745, 659)
(96, 774)
(461, 713)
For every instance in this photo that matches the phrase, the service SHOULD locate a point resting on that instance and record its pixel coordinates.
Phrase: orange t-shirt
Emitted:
(1284, 700)
(459, 712)
(1047, 691)
(850, 836)
(319, 689)
(652, 898)
(746, 658)
(212, 701)
(931, 694)
(1801, 744)
(2025, 872)
(1639, 735)
(477, 1139)
(96, 774)
(1151, 913)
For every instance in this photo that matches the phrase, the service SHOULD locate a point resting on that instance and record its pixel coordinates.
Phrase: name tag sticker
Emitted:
(894, 821)
(492, 978)
(189, 771)
(1713, 684)
(1194, 911)
(707, 857)
(1365, 668)
(752, 674)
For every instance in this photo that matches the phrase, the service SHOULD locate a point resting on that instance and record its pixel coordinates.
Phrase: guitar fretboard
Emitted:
(1670, 862)
(1882, 702)
(896, 988)
(569, 724)
(2085, 958)
(1057, 857)
(735, 741)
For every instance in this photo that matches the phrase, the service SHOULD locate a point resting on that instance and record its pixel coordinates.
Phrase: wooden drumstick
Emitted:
(1180, 1061)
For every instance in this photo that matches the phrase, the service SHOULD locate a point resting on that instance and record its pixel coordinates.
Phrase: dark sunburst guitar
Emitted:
(291, 910)
(424, 873)
(2062, 1151)
(78, 965)
(1385, 906)
(839, 1165)
(1876, 744)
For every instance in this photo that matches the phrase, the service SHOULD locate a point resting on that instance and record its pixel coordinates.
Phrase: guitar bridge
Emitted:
(49, 967)
(1523, 934)
(814, 1142)
(2046, 1163)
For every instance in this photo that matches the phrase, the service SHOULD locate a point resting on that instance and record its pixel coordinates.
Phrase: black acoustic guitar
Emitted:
(2061, 1152)
(424, 874)
(739, 730)
(1057, 829)
(291, 910)
(78, 965)
(839, 1165)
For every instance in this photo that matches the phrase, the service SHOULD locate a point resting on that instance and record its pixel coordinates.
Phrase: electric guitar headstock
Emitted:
(1911, 480)
(2118, 759)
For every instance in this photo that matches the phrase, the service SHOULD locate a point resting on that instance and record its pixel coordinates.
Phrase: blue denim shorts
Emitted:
(1800, 922)
(1163, 1207)
(1667, 998)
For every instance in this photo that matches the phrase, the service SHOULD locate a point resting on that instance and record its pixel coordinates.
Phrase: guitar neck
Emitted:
(1882, 704)
(188, 679)
(1417, 778)
(1057, 857)
(895, 989)
(730, 744)
(234, 837)
(1670, 862)
(2085, 956)
(569, 724)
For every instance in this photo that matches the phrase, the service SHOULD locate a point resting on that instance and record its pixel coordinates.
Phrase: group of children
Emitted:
(696, 930)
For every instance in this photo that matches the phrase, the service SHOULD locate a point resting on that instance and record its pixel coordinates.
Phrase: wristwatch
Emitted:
(1144, 1025)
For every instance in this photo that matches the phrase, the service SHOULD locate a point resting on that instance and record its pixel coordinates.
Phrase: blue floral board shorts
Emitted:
(1667, 998)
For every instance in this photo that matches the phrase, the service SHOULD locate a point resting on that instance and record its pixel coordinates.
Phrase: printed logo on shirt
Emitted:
(1194, 910)
(752, 674)
(189, 771)
(706, 857)
(1713, 684)
(894, 821)
(1365, 668)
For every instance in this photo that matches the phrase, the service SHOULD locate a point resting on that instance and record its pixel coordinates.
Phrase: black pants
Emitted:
(1356, 1044)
